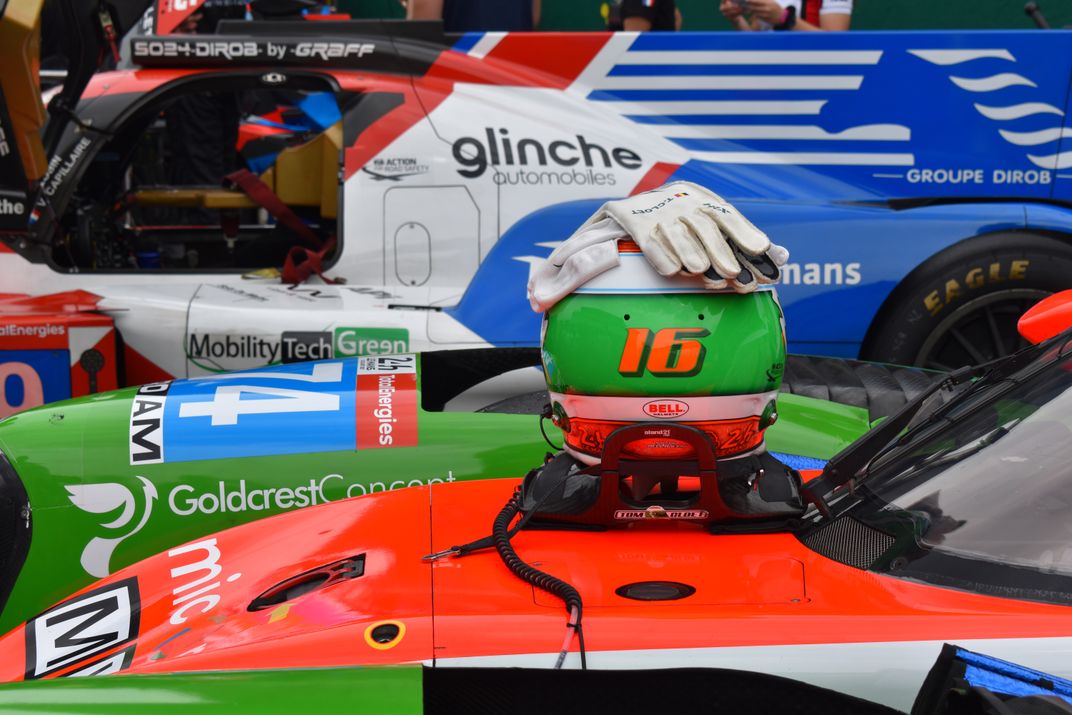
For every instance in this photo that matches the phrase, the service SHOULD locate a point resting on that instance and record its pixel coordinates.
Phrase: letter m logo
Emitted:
(82, 627)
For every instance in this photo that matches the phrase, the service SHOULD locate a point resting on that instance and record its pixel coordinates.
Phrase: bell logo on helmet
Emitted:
(665, 409)
(669, 352)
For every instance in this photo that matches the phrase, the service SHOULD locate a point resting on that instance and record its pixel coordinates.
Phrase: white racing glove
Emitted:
(680, 227)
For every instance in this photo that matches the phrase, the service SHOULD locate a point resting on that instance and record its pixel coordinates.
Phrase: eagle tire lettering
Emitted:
(971, 294)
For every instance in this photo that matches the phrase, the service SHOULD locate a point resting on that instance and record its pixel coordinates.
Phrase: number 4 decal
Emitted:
(227, 405)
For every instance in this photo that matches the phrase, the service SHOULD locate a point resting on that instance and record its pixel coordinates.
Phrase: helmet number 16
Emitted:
(669, 352)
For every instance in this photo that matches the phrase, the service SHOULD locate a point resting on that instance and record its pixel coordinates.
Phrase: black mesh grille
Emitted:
(849, 541)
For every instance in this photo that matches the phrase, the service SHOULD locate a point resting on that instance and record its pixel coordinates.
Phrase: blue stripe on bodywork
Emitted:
(1000, 676)
(467, 42)
(798, 462)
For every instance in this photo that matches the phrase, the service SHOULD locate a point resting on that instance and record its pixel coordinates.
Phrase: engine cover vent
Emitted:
(312, 580)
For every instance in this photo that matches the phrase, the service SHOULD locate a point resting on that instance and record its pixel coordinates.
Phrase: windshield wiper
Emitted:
(923, 411)
(846, 464)
(943, 457)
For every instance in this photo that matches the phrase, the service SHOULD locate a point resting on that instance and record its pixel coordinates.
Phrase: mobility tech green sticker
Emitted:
(354, 342)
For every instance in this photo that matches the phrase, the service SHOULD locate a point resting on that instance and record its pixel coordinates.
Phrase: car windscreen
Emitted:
(995, 482)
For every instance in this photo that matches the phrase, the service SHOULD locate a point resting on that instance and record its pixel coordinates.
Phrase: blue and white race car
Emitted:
(922, 182)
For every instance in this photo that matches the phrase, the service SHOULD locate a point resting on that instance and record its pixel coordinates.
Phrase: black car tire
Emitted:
(961, 306)
(880, 389)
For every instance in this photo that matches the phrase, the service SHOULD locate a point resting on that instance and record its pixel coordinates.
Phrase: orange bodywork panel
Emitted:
(1047, 318)
(750, 590)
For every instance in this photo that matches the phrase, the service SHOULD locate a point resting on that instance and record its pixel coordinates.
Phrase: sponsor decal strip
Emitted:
(387, 401)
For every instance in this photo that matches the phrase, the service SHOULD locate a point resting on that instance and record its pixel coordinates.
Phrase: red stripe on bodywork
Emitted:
(140, 370)
(72, 301)
(543, 59)
(389, 127)
(656, 176)
(560, 56)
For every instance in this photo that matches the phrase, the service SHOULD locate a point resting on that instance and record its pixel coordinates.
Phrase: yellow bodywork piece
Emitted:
(20, 63)
(305, 175)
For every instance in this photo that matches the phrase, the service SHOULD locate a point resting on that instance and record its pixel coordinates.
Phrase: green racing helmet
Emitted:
(633, 346)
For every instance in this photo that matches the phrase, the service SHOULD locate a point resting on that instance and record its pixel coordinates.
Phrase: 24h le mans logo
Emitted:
(105, 498)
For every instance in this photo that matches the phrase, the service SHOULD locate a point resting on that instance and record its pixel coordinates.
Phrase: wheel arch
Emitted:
(891, 304)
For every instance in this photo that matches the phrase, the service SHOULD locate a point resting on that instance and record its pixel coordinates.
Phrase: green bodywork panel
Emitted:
(396, 690)
(81, 447)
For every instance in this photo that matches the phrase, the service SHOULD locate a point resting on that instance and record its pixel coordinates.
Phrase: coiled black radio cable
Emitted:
(500, 534)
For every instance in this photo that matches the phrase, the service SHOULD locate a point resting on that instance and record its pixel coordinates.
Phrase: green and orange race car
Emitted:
(945, 523)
